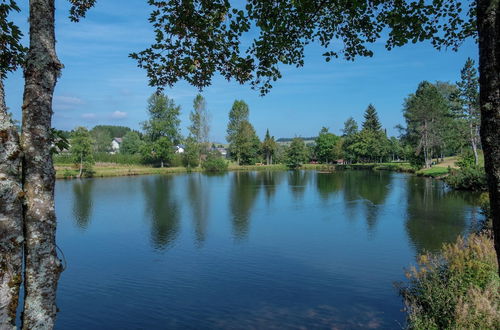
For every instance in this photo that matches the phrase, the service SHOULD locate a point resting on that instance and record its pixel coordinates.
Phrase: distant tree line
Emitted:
(441, 119)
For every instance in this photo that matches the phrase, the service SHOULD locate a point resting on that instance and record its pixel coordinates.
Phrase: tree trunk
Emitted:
(42, 267)
(81, 167)
(488, 12)
(473, 143)
(11, 218)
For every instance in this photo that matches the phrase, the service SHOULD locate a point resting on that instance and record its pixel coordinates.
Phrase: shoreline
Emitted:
(103, 170)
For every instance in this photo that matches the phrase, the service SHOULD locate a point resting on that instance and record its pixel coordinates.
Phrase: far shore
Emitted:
(101, 170)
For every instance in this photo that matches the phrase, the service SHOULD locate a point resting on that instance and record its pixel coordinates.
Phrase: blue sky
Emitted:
(101, 85)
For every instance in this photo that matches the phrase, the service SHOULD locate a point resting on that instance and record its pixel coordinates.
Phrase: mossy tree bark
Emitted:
(11, 215)
(488, 22)
(42, 266)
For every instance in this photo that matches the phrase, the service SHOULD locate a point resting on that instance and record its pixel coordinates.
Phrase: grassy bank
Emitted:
(104, 169)
(69, 171)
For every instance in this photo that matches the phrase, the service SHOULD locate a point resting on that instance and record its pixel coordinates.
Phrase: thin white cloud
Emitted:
(119, 115)
(67, 102)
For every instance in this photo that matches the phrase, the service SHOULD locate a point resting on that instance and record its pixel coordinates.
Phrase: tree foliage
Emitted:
(161, 130)
(326, 146)
(195, 39)
(81, 151)
(200, 126)
(269, 147)
(296, 153)
(468, 88)
(131, 143)
(246, 145)
(425, 114)
(243, 141)
(12, 51)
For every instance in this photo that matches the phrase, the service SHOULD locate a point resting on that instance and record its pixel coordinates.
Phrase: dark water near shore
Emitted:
(247, 250)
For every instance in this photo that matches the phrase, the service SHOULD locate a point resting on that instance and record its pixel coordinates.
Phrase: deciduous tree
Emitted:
(162, 129)
(81, 151)
(296, 153)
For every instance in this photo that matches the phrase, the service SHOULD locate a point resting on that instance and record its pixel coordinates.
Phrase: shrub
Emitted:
(455, 289)
(119, 158)
(466, 159)
(214, 163)
(468, 178)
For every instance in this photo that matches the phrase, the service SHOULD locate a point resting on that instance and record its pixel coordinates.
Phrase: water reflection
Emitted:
(270, 181)
(162, 208)
(199, 200)
(297, 180)
(294, 270)
(329, 184)
(244, 190)
(434, 214)
(370, 188)
(82, 202)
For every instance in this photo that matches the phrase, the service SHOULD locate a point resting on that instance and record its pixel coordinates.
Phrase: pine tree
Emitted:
(469, 100)
(269, 147)
(371, 119)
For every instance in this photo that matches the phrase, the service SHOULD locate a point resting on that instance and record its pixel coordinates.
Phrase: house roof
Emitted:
(117, 139)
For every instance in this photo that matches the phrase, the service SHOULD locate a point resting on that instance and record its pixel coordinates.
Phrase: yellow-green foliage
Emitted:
(455, 289)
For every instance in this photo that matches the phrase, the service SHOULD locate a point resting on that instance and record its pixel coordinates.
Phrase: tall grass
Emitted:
(457, 288)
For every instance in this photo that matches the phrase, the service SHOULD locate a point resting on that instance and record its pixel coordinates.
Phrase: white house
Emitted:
(179, 149)
(115, 145)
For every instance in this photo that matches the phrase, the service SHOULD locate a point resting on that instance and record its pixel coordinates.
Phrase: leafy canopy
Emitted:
(197, 38)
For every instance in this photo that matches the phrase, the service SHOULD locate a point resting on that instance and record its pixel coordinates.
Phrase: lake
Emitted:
(297, 249)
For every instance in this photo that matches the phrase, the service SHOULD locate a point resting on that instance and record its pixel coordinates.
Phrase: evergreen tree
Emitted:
(469, 100)
(425, 112)
(269, 147)
(371, 119)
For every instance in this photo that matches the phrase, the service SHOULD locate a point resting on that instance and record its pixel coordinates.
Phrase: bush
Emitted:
(176, 161)
(214, 163)
(455, 289)
(119, 158)
(466, 159)
(468, 178)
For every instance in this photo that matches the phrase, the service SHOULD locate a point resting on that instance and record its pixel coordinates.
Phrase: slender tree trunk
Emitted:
(81, 167)
(488, 21)
(42, 267)
(473, 143)
(11, 218)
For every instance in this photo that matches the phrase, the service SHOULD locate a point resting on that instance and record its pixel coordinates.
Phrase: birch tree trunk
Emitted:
(11, 218)
(488, 21)
(42, 267)
(473, 142)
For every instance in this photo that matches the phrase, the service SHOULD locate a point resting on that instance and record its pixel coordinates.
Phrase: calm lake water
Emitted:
(247, 250)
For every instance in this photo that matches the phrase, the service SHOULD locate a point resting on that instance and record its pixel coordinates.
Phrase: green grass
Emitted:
(433, 172)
